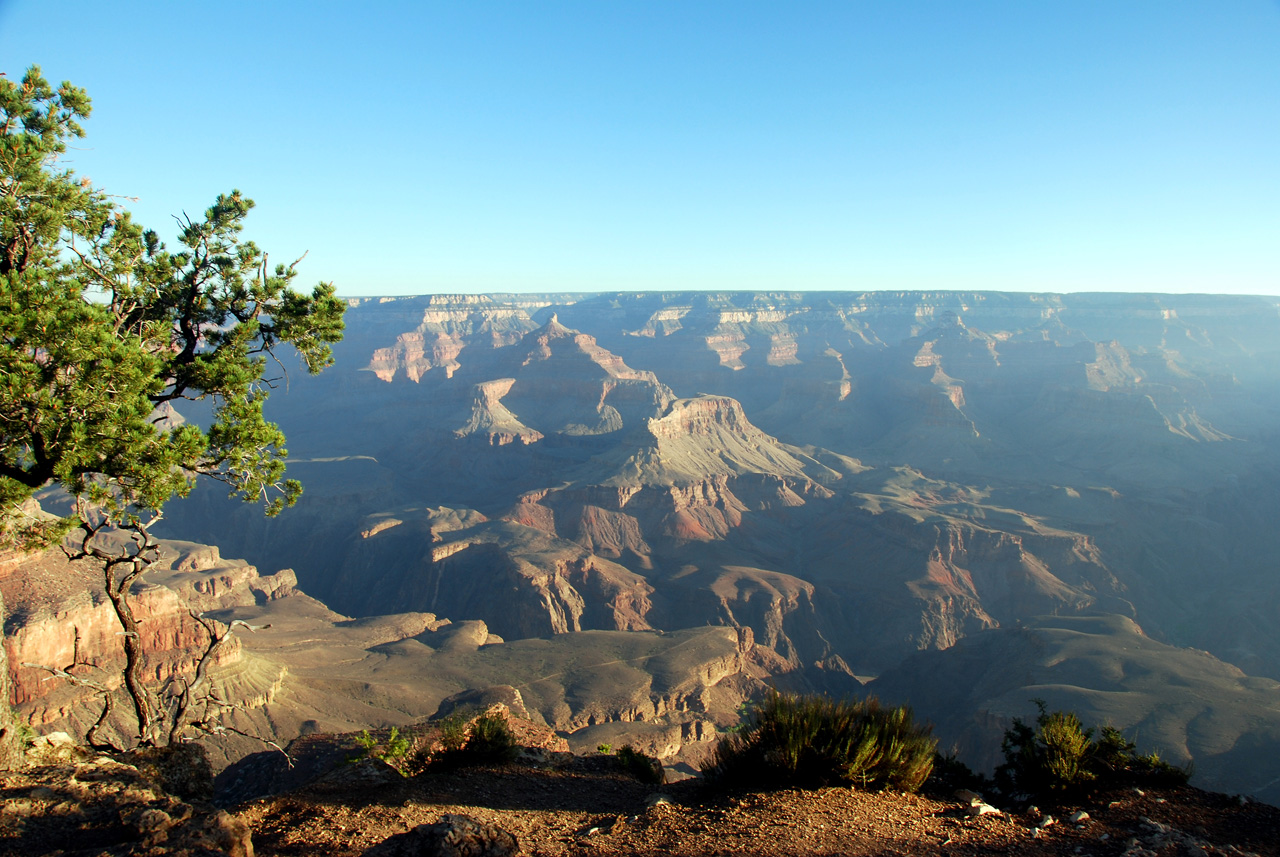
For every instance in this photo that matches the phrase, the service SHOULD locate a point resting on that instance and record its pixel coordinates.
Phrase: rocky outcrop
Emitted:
(446, 325)
(612, 598)
(562, 383)
(154, 803)
(454, 835)
(482, 699)
(604, 532)
(544, 593)
(491, 420)
(60, 619)
(910, 578)
(634, 523)
(787, 626)
(690, 475)
(672, 685)
(203, 580)
(550, 585)
(689, 739)
(706, 416)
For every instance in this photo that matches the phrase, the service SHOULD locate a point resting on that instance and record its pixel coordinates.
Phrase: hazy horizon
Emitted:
(419, 148)
(499, 293)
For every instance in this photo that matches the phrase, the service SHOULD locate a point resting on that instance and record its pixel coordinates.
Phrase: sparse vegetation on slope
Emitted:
(815, 740)
(556, 804)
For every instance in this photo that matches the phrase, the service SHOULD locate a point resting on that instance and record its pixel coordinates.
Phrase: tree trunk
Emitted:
(11, 744)
(117, 593)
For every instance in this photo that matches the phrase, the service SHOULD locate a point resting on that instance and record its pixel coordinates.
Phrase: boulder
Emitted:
(452, 836)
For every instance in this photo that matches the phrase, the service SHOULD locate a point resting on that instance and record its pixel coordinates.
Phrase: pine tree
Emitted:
(102, 328)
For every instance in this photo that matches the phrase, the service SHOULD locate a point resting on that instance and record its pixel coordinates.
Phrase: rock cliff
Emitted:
(59, 617)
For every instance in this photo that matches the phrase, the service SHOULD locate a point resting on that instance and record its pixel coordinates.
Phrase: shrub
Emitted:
(1047, 759)
(1059, 757)
(814, 740)
(453, 732)
(491, 741)
(949, 774)
(396, 747)
(487, 740)
(1066, 744)
(1117, 760)
(642, 766)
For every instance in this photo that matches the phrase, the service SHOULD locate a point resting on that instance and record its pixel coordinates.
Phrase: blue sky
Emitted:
(475, 146)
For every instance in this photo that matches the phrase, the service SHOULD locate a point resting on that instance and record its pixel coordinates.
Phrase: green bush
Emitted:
(1059, 757)
(814, 740)
(642, 766)
(1065, 745)
(487, 740)
(491, 741)
(1117, 760)
(396, 747)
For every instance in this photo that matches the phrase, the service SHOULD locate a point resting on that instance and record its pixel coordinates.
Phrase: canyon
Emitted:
(635, 512)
